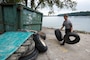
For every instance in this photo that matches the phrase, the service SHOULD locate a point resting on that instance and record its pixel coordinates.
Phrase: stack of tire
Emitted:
(26, 51)
(31, 48)
(39, 38)
(59, 37)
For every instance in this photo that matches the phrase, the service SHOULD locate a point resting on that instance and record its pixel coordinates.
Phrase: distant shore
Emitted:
(84, 32)
(82, 13)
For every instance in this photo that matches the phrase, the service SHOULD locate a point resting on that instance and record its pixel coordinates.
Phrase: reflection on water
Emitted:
(81, 23)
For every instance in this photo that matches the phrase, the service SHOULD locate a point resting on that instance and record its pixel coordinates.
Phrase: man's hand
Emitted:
(61, 27)
(71, 29)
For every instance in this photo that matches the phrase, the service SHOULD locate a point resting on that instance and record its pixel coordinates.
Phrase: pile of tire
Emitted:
(27, 51)
(39, 39)
(58, 35)
(30, 49)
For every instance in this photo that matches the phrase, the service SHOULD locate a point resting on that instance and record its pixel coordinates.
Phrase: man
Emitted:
(68, 26)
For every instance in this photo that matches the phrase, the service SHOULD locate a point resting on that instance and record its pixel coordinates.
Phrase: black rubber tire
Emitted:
(76, 40)
(29, 51)
(32, 56)
(39, 43)
(42, 35)
(58, 35)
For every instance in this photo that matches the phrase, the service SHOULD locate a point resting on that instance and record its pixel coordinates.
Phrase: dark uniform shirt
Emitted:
(67, 24)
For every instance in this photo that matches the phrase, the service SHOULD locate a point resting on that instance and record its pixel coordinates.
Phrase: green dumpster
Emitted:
(1, 22)
(12, 1)
(17, 16)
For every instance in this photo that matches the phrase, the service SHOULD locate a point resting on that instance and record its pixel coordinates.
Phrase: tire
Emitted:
(39, 43)
(32, 56)
(31, 48)
(42, 35)
(67, 39)
(58, 35)
(27, 48)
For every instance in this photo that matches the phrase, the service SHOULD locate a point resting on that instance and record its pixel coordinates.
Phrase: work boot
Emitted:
(62, 42)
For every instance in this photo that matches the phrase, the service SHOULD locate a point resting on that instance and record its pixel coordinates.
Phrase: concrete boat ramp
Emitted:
(79, 51)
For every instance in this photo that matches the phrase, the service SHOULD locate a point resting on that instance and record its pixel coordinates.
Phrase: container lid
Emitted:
(11, 41)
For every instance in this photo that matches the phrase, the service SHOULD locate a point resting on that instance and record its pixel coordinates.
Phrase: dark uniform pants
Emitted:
(66, 32)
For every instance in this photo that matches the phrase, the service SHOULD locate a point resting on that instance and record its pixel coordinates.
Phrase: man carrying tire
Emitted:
(68, 26)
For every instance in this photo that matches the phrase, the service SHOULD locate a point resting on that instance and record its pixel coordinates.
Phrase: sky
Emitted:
(82, 5)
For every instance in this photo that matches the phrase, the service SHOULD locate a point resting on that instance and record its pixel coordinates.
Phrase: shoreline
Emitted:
(77, 31)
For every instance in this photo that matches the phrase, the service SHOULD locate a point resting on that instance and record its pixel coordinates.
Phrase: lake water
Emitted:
(81, 23)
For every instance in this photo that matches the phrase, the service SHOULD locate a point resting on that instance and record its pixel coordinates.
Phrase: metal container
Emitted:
(17, 16)
(1, 22)
(12, 42)
(12, 1)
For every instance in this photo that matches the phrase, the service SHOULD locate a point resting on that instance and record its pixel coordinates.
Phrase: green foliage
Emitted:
(36, 4)
(12, 1)
(40, 4)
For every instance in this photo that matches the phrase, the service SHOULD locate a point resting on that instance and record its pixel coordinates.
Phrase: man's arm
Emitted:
(61, 28)
(71, 27)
